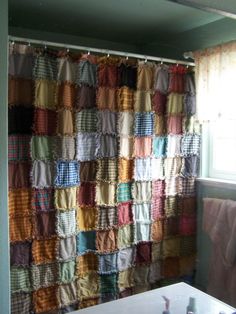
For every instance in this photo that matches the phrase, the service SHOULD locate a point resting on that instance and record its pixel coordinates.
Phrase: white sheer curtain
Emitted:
(216, 82)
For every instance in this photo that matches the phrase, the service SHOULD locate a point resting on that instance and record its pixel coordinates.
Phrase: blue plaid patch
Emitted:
(143, 124)
(67, 173)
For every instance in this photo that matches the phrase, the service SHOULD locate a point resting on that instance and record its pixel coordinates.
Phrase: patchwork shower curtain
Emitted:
(103, 155)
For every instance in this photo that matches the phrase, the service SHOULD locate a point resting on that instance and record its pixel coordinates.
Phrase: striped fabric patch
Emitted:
(86, 120)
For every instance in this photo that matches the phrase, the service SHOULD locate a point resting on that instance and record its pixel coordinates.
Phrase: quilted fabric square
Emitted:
(124, 192)
(172, 186)
(21, 303)
(142, 191)
(159, 102)
(42, 174)
(159, 125)
(20, 228)
(88, 302)
(65, 122)
(45, 122)
(86, 194)
(67, 271)
(107, 98)
(68, 295)
(18, 147)
(154, 272)
(88, 171)
(190, 166)
(157, 165)
(125, 99)
(171, 208)
(44, 224)
(187, 245)
(67, 248)
(157, 210)
(107, 263)
(142, 101)
(187, 264)
(21, 61)
(107, 122)
(141, 275)
(108, 283)
(108, 145)
(107, 217)
(88, 285)
(142, 212)
(46, 94)
(145, 76)
(125, 258)
(126, 123)
(106, 240)
(190, 145)
(175, 103)
(86, 263)
(20, 253)
(45, 67)
(86, 120)
(42, 147)
(170, 268)
(171, 227)
(86, 241)
(87, 73)
(143, 124)
(174, 145)
(20, 279)
(143, 253)
(142, 146)
(172, 166)
(64, 147)
(87, 146)
(86, 218)
(66, 223)
(45, 299)
(65, 199)
(187, 186)
(107, 75)
(174, 125)
(44, 275)
(42, 200)
(67, 173)
(44, 251)
(187, 206)
(20, 120)
(126, 147)
(177, 79)
(128, 74)
(125, 214)
(105, 193)
(18, 174)
(126, 279)
(20, 91)
(107, 169)
(19, 202)
(143, 169)
(125, 169)
(171, 247)
(156, 252)
(159, 146)
(189, 104)
(125, 236)
(142, 231)
(158, 188)
(157, 231)
(66, 95)
(86, 97)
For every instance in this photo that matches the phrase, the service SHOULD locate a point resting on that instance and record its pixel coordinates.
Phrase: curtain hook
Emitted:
(29, 44)
(161, 61)
(177, 64)
(88, 52)
(145, 61)
(127, 57)
(108, 55)
(13, 43)
(45, 47)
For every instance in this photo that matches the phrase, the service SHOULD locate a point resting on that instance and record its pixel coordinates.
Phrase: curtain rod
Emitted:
(105, 51)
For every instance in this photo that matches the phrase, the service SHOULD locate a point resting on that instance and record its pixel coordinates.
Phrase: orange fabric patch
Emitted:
(85, 263)
(44, 251)
(66, 95)
(126, 167)
(157, 230)
(107, 98)
(125, 99)
(45, 299)
(19, 202)
(106, 241)
(20, 228)
(88, 303)
(86, 218)
(171, 267)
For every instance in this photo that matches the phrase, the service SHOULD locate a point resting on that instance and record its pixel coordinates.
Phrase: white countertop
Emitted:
(151, 302)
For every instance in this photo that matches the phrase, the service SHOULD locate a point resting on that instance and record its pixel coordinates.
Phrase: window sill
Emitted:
(219, 183)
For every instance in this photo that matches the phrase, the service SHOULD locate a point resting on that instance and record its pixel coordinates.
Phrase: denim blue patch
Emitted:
(67, 173)
(108, 263)
(86, 241)
(143, 124)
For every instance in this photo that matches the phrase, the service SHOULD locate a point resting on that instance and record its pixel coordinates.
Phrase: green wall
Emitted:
(4, 247)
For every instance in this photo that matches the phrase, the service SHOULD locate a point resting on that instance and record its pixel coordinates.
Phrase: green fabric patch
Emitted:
(86, 120)
(42, 147)
(67, 271)
(124, 192)
(125, 236)
(20, 279)
(108, 283)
